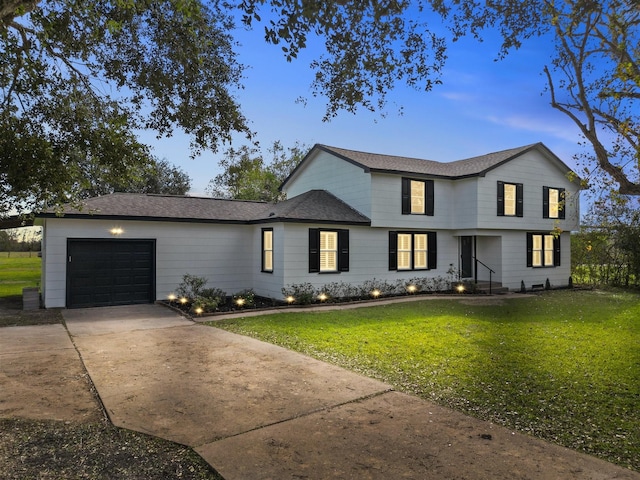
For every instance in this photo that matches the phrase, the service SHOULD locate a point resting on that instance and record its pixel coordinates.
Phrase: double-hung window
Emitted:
(267, 250)
(412, 250)
(510, 199)
(328, 250)
(553, 202)
(417, 197)
(543, 250)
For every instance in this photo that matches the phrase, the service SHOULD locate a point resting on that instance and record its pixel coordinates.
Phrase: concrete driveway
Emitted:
(42, 377)
(257, 411)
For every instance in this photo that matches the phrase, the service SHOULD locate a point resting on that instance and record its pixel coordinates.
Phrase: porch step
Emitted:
(483, 286)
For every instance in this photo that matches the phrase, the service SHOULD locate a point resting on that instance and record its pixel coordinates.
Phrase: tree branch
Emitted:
(10, 9)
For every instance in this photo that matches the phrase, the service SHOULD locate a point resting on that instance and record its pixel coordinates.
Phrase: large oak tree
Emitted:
(78, 78)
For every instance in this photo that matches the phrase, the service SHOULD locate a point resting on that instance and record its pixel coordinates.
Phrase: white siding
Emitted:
(464, 198)
(224, 254)
(534, 171)
(386, 204)
(368, 257)
(269, 284)
(489, 251)
(229, 256)
(515, 268)
(348, 182)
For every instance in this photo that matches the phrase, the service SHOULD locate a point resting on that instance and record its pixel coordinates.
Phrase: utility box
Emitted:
(31, 298)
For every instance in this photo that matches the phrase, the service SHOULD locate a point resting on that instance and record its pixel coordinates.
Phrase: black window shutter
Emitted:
(556, 251)
(393, 250)
(343, 250)
(428, 201)
(500, 199)
(406, 196)
(262, 252)
(432, 250)
(314, 250)
(563, 203)
(529, 249)
(519, 200)
(545, 202)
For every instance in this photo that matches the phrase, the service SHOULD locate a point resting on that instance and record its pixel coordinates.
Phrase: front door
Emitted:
(466, 256)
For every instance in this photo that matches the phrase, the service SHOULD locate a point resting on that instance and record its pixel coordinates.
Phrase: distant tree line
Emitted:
(20, 240)
(606, 250)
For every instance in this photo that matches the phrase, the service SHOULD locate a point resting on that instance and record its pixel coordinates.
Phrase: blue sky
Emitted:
(482, 106)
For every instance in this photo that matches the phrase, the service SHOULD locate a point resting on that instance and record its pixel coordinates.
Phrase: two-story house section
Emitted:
(507, 213)
(349, 217)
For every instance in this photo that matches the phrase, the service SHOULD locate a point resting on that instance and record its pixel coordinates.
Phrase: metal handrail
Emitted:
(490, 272)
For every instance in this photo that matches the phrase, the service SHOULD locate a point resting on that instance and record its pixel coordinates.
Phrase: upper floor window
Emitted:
(417, 197)
(412, 250)
(510, 199)
(328, 250)
(543, 250)
(553, 202)
(267, 250)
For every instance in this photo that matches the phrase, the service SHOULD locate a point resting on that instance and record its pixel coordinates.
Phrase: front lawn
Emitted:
(18, 271)
(563, 366)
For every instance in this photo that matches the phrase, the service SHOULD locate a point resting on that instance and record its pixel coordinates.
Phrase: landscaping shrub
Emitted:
(245, 298)
(199, 297)
(303, 293)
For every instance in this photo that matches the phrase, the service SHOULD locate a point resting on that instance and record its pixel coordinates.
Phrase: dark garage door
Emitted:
(110, 272)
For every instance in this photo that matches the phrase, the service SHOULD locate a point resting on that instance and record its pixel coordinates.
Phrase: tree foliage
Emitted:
(369, 46)
(595, 80)
(606, 250)
(247, 176)
(154, 176)
(79, 78)
(594, 77)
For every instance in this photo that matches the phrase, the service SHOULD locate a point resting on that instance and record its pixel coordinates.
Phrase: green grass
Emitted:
(17, 272)
(563, 366)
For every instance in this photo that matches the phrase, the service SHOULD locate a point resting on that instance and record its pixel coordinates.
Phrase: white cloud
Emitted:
(555, 127)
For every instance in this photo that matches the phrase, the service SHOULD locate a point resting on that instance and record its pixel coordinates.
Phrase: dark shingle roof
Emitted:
(166, 207)
(314, 206)
(461, 168)
(317, 206)
(469, 167)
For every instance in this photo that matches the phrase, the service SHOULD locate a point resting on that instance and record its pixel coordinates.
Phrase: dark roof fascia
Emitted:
(410, 174)
(343, 157)
(75, 216)
(322, 148)
(309, 220)
(534, 146)
(79, 216)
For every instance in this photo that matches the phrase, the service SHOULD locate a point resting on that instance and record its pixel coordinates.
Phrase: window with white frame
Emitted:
(417, 197)
(412, 250)
(328, 251)
(543, 250)
(510, 199)
(404, 251)
(267, 250)
(553, 202)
